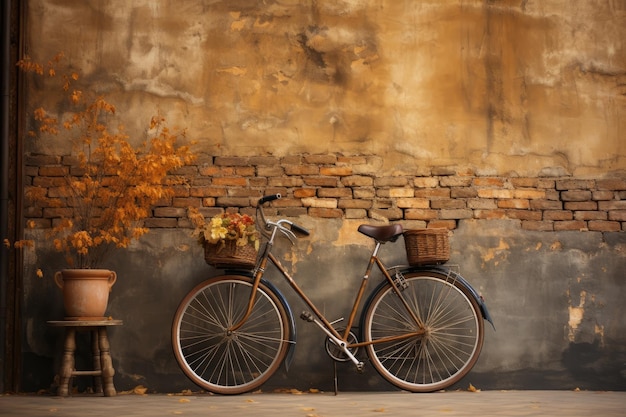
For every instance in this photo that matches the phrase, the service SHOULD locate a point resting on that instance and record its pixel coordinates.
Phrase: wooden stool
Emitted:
(103, 366)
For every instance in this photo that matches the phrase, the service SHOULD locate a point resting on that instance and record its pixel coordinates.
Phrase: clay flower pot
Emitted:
(85, 292)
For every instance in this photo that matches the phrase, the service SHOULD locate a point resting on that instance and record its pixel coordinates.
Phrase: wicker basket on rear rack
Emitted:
(427, 246)
(228, 255)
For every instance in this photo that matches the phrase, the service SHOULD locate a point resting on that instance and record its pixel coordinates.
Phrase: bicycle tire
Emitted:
(226, 362)
(447, 351)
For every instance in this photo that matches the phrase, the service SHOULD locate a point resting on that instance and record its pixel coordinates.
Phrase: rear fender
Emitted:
(445, 271)
(457, 277)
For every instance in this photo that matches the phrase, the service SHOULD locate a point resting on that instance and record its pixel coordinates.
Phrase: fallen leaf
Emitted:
(472, 388)
(140, 390)
(379, 410)
(184, 400)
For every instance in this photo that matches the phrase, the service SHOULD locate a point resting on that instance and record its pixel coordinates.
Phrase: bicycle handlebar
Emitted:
(299, 229)
(268, 198)
(294, 227)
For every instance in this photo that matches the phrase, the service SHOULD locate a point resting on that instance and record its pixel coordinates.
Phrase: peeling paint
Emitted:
(238, 25)
(491, 253)
(556, 246)
(599, 331)
(292, 257)
(349, 234)
(535, 248)
(234, 70)
(586, 305)
(576, 315)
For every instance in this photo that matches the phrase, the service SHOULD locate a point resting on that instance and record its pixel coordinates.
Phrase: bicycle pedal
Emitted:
(306, 316)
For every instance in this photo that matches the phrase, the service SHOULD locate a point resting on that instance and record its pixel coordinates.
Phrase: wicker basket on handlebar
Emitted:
(227, 254)
(427, 246)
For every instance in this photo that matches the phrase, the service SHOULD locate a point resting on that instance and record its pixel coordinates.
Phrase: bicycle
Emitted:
(422, 327)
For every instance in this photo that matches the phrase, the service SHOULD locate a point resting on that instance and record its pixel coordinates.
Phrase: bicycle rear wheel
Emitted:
(224, 361)
(450, 346)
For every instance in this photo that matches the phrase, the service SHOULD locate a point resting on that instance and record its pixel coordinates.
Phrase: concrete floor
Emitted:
(349, 404)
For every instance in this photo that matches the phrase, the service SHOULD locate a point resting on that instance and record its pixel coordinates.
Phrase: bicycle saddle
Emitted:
(382, 233)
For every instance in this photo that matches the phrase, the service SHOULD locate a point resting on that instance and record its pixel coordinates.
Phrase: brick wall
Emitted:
(336, 186)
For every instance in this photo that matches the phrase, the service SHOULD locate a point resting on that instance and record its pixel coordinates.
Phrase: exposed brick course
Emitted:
(338, 186)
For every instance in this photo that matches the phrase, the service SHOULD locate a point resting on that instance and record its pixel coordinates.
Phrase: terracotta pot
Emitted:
(85, 292)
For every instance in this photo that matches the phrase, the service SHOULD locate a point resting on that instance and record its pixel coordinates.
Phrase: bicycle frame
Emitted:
(323, 323)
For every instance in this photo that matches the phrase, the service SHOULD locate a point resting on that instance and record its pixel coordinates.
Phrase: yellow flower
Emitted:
(218, 233)
(226, 226)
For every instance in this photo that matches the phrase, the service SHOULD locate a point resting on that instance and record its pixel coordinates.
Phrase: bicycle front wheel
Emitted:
(453, 332)
(224, 361)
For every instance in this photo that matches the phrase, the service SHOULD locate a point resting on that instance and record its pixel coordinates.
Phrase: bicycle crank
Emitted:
(339, 345)
(336, 353)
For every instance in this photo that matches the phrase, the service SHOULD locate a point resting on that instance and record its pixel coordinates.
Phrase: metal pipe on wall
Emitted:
(11, 226)
(4, 180)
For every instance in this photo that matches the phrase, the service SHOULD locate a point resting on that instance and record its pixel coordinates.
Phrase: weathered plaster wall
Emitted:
(503, 87)
(484, 89)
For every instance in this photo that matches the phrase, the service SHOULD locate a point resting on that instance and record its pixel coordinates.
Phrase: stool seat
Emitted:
(102, 363)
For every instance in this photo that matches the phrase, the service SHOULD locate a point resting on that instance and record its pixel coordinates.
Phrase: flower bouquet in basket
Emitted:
(230, 240)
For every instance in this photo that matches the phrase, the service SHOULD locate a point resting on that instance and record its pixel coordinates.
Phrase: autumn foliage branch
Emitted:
(110, 185)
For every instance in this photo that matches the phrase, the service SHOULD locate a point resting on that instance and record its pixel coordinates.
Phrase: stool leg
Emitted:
(67, 366)
(106, 363)
(95, 350)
